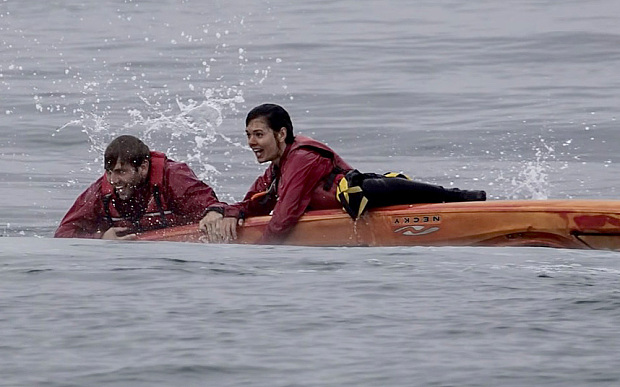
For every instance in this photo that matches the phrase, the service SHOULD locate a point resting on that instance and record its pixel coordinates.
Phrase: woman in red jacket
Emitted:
(302, 176)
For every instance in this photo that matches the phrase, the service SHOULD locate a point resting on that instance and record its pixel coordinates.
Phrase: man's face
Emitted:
(267, 145)
(125, 178)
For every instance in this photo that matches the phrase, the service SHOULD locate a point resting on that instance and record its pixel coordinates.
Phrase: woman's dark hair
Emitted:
(126, 149)
(276, 118)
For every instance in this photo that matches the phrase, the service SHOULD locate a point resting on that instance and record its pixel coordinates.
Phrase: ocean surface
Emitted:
(519, 98)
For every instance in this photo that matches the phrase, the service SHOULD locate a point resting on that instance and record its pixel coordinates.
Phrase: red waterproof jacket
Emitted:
(305, 180)
(173, 195)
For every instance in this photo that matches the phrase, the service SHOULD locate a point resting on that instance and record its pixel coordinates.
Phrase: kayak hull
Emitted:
(580, 224)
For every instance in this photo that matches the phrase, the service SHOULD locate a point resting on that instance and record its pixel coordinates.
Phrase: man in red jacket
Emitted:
(140, 190)
(303, 176)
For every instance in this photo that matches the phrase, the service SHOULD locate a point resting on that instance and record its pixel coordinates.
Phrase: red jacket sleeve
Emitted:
(85, 219)
(301, 175)
(188, 196)
(303, 171)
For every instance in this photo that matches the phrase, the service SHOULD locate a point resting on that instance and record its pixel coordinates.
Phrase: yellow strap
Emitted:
(396, 174)
(353, 190)
(362, 206)
(346, 192)
(342, 185)
(343, 188)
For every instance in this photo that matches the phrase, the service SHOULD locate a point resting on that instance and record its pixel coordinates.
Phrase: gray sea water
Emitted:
(519, 98)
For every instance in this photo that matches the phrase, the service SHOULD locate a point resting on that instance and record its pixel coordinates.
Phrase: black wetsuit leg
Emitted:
(389, 191)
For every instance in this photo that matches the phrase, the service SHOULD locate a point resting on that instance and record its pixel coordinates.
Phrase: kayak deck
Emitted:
(582, 224)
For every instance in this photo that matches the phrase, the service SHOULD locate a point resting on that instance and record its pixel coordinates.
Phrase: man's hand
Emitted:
(218, 228)
(116, 232)
(229, 228)
(210, 225)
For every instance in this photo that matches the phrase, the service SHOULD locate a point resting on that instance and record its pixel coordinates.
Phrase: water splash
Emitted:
(530, 179)
(193, 122)
(167, 107)
(184, 130)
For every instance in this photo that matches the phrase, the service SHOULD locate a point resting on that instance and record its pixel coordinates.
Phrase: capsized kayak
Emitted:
(578, 224)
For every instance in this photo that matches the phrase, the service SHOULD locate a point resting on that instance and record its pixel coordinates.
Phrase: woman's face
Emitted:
(267, 144)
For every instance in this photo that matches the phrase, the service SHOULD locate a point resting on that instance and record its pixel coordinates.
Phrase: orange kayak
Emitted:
(579, 224)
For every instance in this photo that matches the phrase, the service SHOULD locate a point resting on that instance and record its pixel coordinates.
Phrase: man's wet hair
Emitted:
(126, 149)
(276, 118)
